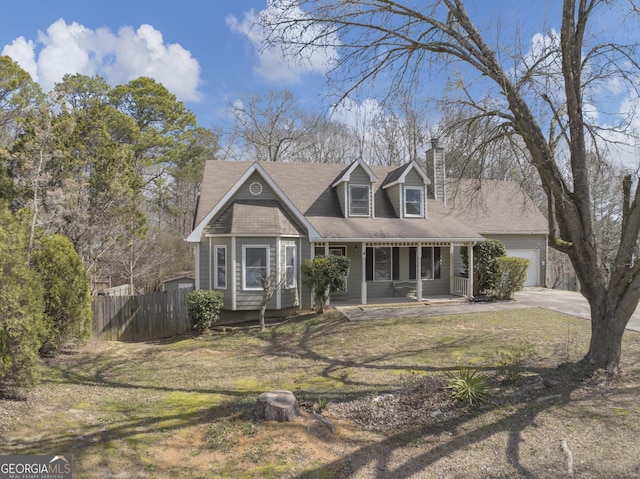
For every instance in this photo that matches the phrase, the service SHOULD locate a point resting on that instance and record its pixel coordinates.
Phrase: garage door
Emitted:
(533, 274)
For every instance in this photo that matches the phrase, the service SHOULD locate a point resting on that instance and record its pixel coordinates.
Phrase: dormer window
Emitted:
(359, 200)
(414, 202)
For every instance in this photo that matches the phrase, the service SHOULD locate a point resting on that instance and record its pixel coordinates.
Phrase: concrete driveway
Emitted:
(568, 302)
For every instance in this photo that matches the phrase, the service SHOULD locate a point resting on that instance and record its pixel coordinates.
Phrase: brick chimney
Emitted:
(435, 168)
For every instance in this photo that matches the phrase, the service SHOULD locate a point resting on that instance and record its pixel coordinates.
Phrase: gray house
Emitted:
(402, 234)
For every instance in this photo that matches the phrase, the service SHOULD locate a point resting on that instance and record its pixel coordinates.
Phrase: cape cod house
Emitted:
(402, 234)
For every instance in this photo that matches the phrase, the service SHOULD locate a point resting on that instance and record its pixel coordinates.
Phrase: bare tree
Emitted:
(270, 285)
(267, 126)
(540, 97)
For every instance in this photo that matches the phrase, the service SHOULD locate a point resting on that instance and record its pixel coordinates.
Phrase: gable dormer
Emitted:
(406, 189)
(355, 190)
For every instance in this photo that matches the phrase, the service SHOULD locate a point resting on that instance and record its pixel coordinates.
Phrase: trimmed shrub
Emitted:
(204, 307)
(512, 273)
(485, 265)
(325, 274)
(67, 293)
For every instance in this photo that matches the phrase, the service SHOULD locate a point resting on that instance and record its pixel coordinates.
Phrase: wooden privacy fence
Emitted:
(141, 318)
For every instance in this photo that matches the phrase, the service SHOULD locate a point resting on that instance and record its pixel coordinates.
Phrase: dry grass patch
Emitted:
(182, 407)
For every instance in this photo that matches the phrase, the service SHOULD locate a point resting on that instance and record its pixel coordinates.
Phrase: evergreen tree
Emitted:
(22, 328)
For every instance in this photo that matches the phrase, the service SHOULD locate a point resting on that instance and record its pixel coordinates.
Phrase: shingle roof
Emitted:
(491, 206)
(308, 186)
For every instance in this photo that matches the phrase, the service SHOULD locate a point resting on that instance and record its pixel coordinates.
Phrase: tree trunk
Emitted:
(607, 328)
(263, 310)
(277, 406)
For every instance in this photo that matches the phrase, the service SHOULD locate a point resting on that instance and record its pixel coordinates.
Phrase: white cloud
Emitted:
(22, 52)
(360, 116)
(118, 57)
(283, 63)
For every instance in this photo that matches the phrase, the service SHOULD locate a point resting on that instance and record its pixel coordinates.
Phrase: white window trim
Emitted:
(404, 204)
(267, 248)
(294, 273)
(368, 213)
(216, 284)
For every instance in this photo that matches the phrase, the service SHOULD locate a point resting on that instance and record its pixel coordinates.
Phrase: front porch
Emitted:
(403, 272)
(392, 302)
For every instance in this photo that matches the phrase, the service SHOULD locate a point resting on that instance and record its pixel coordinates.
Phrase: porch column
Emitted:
(312, 255)
(363, 284)
(196, 266)
(278, 270)
(234, 282)
(451, 268)
(326, 253)
(470, 279)
(210, 266)
(419, 272)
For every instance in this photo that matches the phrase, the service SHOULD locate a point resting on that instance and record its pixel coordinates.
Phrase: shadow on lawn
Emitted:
(379, 456)
(299, 340)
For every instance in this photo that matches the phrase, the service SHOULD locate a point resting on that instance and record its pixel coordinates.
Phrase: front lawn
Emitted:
(182, 407)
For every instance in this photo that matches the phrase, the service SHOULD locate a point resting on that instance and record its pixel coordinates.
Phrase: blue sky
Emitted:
(206, 51)
(196, 48)
(203, 51)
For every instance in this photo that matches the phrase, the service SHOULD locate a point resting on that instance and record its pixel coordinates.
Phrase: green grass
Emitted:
(183, 406)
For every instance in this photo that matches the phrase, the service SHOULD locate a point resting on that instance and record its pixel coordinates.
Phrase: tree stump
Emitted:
(277, 406)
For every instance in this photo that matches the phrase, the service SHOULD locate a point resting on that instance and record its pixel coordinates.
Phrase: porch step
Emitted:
(447, 300)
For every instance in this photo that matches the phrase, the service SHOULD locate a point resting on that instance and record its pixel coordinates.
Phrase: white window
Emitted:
(382, 264)
(255, 266)
(426, 265)
(359, 200)
(220, 267)
(290, 266)
(413, 202)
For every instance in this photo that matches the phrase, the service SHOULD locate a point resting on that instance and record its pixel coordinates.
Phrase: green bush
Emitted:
(469, 385)
(204, 308)
(22, 328)
(511, 275)
(67, 294)
(485, 264)
(325, 274)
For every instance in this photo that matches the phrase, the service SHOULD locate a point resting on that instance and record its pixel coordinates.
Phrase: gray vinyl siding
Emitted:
(251, 300)
(514, 242)
(525, 242)
(341, 189)
(243, 192)
(354, 281)
(458, 264)
(394, 193)
(359, 177)
(413, 179)
(437, 287)
(205, 278)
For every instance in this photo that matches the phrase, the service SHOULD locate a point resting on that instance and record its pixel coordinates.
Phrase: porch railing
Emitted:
(460, 286)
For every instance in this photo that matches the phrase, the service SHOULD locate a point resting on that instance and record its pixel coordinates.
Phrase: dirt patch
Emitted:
(374, 403)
